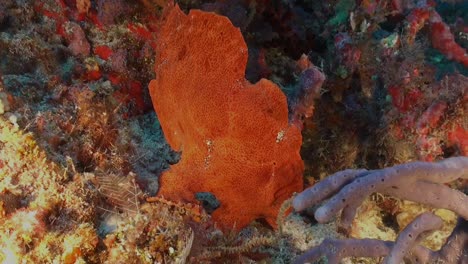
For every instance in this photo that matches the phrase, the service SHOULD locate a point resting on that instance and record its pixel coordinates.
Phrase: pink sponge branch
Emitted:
(443, 40)
(310, 83)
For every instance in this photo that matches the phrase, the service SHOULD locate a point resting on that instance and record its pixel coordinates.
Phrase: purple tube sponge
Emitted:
(335, 250)
(421, 182)
(409, 237)
(455, 249)
(404, 248)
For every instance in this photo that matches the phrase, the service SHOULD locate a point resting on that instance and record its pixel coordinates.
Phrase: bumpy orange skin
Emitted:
(234, 136)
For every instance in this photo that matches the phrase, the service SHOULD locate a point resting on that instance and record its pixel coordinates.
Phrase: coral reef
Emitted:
(41, 207)
(51, 214)
(380, 84)
(372, 84)
(441, 36)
